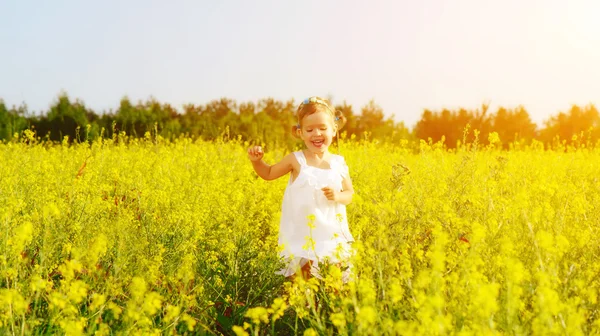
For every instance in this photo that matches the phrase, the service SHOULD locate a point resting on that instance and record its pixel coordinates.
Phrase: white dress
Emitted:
(313, 227)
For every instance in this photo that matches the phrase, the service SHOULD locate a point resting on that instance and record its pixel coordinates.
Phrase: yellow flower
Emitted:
(239, 331)
(338, 320)
(73, 327)
(97, 301)
(189, 321)
(277, 309)
(310, 244)
(258, 315)
(137, 288)
(12, 302)
(172, 313)
(115, 309)
(367, 316)
(77, 291)
(23, 236)
(310, 332)
(152, 303)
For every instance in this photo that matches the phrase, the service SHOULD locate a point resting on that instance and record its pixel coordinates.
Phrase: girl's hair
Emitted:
(316, 104)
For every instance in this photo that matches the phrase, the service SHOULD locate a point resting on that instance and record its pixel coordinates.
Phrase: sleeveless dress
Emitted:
(313, 227)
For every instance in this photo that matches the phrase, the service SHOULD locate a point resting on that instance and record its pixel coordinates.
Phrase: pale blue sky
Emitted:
(406, 55)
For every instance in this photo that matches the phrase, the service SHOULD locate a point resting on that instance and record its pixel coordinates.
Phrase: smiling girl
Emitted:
(313, 226)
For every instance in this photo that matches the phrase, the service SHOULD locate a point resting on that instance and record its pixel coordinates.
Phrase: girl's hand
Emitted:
(255, 153)
(330, 193)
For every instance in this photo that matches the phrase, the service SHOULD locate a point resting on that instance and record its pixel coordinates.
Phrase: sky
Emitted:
(406, 56)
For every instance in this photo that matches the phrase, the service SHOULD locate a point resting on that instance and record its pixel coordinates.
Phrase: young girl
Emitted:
(313, 225)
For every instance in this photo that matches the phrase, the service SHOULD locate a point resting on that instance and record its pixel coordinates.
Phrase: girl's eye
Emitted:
(324, 129)
(309, 130)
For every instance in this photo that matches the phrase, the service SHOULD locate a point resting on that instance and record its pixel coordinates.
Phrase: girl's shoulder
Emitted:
(339, 163)
(298, 156)
(338, 158)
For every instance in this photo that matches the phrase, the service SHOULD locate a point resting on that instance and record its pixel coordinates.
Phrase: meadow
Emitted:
(155, 236)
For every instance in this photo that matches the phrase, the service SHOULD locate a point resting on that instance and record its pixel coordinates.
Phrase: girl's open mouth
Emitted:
(317, 143)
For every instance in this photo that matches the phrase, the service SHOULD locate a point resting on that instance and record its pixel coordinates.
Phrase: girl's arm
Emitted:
(265, 171)
(344, 196)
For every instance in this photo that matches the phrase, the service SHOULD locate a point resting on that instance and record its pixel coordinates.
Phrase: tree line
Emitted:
(269, 121)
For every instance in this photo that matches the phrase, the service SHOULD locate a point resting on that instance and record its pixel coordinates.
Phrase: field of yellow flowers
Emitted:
(154, 236)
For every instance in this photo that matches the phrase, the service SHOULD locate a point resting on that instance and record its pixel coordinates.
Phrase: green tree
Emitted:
(513, 125)
(581, 122)
(12, 120)
(66, 119)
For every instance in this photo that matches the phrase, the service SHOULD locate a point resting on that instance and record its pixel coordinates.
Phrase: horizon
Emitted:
(356, 109)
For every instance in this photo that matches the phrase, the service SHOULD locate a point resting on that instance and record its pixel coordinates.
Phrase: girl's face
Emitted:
(318, 130)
